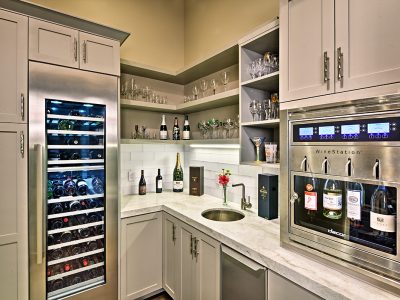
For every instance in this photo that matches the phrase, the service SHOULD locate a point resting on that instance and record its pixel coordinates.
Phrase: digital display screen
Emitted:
(306, 131)
(378, 128)
(351, 129)
(325, 130)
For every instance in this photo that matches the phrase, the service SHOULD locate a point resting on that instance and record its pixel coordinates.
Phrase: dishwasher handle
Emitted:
(242, 259)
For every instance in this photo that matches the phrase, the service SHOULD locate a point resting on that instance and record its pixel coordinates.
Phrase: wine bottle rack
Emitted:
(74, 213)
(78, 161)
(72, 272)
(80, 255)
(74, 132)
(61, 293)
(76, 118)
(74, 147)
(72, 169)
(75, 242)
(72, 198)
(87, 225)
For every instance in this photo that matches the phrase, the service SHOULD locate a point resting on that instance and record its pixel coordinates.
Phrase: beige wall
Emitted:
(210, 25)
(156, 26)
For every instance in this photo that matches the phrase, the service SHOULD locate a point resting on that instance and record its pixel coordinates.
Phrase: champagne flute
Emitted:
(225, 79)
(253, 108)
(213, 84)
(203, 86)
(195, 91)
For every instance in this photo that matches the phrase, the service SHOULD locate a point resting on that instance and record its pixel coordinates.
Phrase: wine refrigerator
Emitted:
(73, 197)
(340, 183)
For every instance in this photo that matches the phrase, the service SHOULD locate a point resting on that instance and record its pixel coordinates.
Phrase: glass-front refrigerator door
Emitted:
(75, 191)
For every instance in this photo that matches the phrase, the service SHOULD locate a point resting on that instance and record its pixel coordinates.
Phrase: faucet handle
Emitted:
(248, 204)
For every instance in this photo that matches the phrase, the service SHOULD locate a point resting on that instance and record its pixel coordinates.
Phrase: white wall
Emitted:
(150, 157)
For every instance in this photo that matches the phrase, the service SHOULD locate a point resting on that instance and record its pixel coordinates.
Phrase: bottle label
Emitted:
(163, 135)
(178, 185)
(186, 135)
(333, 202)
(353, 200)
(310, 200)
(386, 223)
(159, 184)
(142, 190)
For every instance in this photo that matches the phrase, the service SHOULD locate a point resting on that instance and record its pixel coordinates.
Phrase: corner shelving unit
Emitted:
(250, 48)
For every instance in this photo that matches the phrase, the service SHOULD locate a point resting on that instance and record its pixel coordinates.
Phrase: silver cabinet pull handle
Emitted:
(85, 58)
(326, 69)
(22, 106)
(340, 65)
(196, 252)
(39, 204)
(191, 245)
(22, 144)
(173, 232)
(75, 49)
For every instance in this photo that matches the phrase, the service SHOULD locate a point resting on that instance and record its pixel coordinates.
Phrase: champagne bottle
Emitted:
(354, 203)
(186, 129)
(163, 129)
(142, 184)
(159, 182)
(383, 214)
(178, 176)
(311, 198)
(176, 133)
(332, 199)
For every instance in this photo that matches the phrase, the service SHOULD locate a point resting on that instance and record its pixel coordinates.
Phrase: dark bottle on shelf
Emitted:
(84, 232)
(56, 224)
(178, 176)
(75, 156)
(176, 133)
(75, 249)
(66, 237)
(57, 254)
(163, 129)
(159, 182)
(84, 204)
(55, 270)
(69, 187)
(94, 203)
(55, 208)
(64, 155)
(98, 230)
(95, 154)
(92, 245)
(74, 206)
(74, 279)
(95, 217)
(49, 189)
(65, 125)
(94, 140)
(56, 284)
(81, 187)
(142, 184)
(186, 129)
(57, 189)
(51, 240)
(75, 113)
(72, 141)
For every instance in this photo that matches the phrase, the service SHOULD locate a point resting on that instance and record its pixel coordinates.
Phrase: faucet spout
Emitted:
(243, 203)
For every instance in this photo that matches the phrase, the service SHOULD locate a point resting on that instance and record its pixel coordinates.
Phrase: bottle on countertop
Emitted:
(176, 133)
(159, 182)
(142, 184)
(178, 176)
(163, 129)
(186, 129)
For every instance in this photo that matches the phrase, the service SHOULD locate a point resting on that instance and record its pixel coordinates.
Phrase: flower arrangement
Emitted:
(223, 179)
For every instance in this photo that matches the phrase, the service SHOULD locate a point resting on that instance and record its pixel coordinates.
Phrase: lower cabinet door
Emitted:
(141, 255)
(208, 266)
(171, 266)
(187, 284)
(280, 288)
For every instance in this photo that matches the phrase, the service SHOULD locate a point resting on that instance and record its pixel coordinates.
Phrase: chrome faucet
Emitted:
(243, 203)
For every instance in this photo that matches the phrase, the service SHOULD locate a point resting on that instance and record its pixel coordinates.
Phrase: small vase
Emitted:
(225, 200)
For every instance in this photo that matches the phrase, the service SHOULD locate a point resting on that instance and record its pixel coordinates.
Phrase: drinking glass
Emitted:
(195, 91)
(251, 70)
(224, 79)
(268, 109)
(259, 67)
(203, 127)
(213, 84)
(203, 86)
(228, 125)
(253, 108)
(213, 123)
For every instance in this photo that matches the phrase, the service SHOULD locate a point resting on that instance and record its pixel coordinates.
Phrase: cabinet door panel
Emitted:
(13, 213)
(14, 67)
(99, 54)
(171, 255)
(53, 43)
(207, 268)
(367, 32)
(187, 283)
(308, 33)
(141, 257)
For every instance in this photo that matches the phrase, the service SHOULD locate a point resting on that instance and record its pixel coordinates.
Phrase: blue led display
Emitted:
(378, 128)
(326, 130)
(350, 129)
(305, 131)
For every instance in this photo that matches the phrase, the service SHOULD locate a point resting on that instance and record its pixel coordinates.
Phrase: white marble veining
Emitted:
(259, 240)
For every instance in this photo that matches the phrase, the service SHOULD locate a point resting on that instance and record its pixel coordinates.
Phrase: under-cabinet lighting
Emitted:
(219, 146)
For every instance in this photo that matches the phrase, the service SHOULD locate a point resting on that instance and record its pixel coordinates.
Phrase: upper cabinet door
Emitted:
(53, 43)
(99, 54)
(307, 48)
(367, 36)
(14, 67)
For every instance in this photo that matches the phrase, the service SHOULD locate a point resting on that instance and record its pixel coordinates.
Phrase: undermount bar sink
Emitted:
(222, 214)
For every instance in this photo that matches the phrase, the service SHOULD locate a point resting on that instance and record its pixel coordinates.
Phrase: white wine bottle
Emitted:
(354, 203)
(163, 129)
(383, 214)
(186, 129)
(178, 176)
(332, 199)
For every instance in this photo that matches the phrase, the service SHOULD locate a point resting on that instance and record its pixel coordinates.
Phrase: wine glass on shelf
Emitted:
(251, 70)
(224, 79)
(253, 108)
(228, 125)
(260, 108)
(195, 91)
(213, 84)
(203, 127)
(203, 86)
(213, 123)
(268, 109)
(258, 141)
(259, 67)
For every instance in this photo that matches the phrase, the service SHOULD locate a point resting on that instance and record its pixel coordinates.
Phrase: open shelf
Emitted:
(269, 82)
(261, 164)
(263, 124)
(210, 64)
(180, 142)
(218, 100)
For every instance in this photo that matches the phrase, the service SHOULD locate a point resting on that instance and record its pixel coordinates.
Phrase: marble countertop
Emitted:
(257, 239)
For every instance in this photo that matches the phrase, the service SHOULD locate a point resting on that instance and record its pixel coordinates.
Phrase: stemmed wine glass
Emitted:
(195, 91)
(251, 70)
(225, 79)
(260, 67)
(213, 123)
(228, 125)
(203, 127)
(253, 108)
(203, 86)
(213, 84)
(260, 107)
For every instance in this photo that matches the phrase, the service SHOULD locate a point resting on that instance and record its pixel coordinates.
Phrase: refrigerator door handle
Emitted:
(39, 204)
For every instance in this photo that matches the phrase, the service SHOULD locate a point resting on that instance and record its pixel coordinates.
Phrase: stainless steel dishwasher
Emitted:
(242, 278)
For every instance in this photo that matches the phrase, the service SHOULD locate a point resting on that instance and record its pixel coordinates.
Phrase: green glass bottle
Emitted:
(178, 176)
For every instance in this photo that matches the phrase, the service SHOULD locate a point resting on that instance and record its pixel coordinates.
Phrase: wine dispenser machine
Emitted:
(340, 184)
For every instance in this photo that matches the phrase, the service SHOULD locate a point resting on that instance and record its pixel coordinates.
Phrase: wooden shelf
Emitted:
(264, 124)
(269, 82)
(181, 142)
(266, 41)
(222, 59)
(221, 99)
(261, 164)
